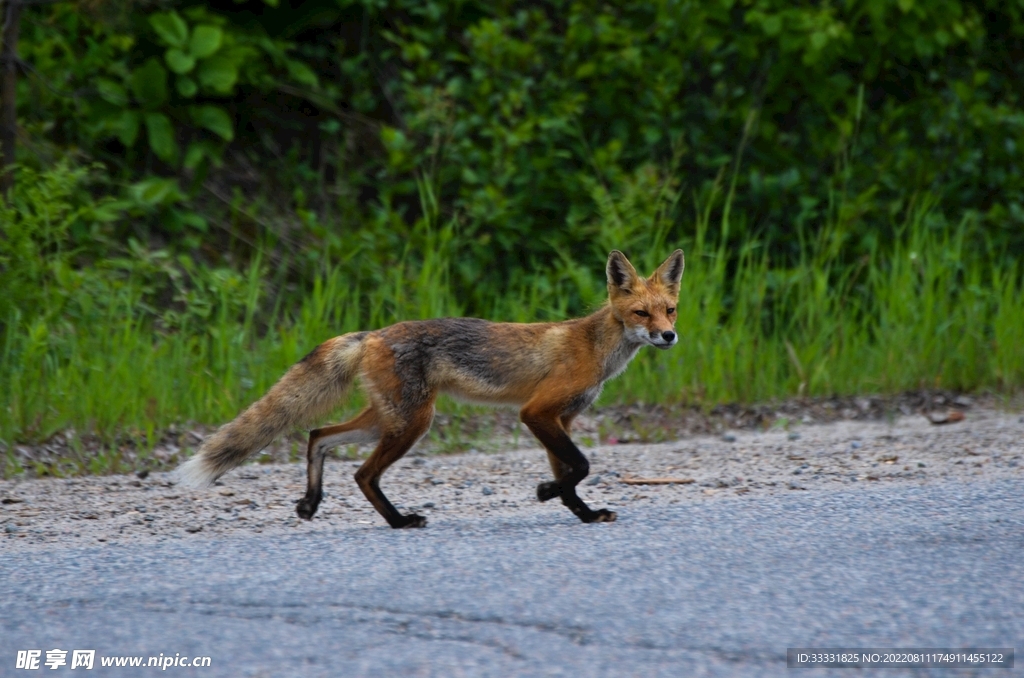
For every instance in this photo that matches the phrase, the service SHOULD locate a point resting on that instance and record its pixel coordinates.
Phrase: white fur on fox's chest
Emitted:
(618, 359)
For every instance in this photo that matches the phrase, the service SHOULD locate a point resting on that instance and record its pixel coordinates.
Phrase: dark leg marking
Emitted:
(307, 506)
(320, 441)
(558, 443)
(391, 448)
(549, 490)
(559, 468)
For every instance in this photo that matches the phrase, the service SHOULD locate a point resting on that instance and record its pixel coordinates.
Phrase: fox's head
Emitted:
(646, 306)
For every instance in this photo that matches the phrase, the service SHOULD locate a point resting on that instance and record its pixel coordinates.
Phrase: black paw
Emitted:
(548, 490)
(600, 516)
(306, 508)
(411, 520)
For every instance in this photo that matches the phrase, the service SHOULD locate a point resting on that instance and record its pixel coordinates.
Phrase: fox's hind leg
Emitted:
(396, 439)
(361, 429)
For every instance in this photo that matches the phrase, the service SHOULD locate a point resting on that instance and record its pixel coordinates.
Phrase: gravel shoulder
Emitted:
(259, 498)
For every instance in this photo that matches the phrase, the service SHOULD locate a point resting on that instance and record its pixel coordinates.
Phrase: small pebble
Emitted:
(855, 444)
(729, 438)
(794, 436)
(920, 464)
(594, 481)
(486, 490)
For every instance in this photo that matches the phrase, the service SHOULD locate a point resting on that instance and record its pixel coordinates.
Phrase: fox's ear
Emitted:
(671, 272)
(621, 275)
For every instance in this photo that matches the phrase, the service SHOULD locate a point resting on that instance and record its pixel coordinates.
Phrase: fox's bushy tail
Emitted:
(310, 389)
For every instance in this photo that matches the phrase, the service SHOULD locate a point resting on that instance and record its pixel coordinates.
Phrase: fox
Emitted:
(551, 371)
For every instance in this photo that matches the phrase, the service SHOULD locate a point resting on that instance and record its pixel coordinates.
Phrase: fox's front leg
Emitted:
(549, 430)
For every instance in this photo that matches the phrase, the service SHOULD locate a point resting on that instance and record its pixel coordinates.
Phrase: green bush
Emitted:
(515, 114)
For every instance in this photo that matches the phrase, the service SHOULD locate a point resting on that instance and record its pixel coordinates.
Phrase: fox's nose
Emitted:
(668, 336)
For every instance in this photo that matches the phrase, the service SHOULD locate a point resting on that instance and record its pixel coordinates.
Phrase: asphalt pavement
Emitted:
(717, 587)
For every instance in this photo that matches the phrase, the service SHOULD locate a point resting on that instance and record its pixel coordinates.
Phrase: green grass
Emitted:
(93, 353)
(930, 313)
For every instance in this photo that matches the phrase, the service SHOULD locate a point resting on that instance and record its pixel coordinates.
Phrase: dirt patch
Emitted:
(69, 453)
(987, 443)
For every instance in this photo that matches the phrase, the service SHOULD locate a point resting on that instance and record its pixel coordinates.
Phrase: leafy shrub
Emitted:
(511, 112)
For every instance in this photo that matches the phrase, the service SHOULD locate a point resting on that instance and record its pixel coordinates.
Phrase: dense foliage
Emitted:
(528, 120)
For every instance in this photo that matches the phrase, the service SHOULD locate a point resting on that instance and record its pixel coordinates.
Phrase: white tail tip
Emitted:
(194, 473)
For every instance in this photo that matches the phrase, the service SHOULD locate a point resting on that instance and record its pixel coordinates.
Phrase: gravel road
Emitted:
(904, 534)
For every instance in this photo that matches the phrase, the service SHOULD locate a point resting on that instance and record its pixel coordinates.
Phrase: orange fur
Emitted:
(551, 370)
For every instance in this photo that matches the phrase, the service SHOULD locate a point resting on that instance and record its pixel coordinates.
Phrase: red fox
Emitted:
(552, 371)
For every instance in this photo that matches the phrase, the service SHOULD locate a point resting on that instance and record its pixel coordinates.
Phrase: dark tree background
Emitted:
(307, 126)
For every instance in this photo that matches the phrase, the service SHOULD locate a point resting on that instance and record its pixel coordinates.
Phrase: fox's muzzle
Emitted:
(663, 340)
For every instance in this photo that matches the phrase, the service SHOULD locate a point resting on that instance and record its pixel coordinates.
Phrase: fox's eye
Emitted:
(671, 310)
(643, 314)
